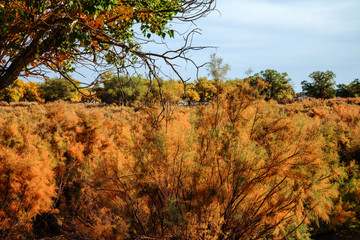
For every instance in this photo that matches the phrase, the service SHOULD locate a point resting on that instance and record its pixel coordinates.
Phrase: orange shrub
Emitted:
(239, 168)
(27, 186)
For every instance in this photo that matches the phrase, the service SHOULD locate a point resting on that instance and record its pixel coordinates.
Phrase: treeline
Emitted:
(133, 91)
(237, 168)
(111, 89)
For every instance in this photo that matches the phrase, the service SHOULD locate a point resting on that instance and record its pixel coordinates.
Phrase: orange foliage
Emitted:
(239, 168)
(27, 186)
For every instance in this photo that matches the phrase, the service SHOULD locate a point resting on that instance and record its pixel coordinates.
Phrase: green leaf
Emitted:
(171, 33)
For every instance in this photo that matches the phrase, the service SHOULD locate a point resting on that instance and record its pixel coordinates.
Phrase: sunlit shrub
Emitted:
(27, 185)
(238, 168)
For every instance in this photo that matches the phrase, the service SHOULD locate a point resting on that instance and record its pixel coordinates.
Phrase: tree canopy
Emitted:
(351, 90)
(42, 35)
(119, 89)
(20, 91)
(278, 84)
(60, 89)
(323, 85)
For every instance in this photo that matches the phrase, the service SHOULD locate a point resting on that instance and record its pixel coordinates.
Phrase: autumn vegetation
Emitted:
(139, 91)
(43, 36)
(238, 167)
(207, 159)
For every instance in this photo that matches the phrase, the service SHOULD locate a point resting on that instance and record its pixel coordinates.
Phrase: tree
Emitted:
(351, 90)
(14, 92)
(279, 86)
(60, 89)
(249, 72)
(355, 87)
(119, 89)
(258, 85)
(323, 85)
(206, 89)
(61, 35)
(343, 91)
(32, 92)
(191, 94)
(20, 91)
(173, 91)
(217, 69)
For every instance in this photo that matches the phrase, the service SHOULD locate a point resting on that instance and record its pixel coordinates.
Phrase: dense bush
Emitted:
(340, 120)
(239, 168)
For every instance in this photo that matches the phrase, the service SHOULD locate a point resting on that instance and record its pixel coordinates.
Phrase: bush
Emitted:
(238, 168)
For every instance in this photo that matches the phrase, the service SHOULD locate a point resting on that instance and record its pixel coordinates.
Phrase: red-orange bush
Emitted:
(27, 185)
(239, 168)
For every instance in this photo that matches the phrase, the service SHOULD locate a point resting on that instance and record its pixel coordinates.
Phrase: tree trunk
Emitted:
(21, 61)
(28, 55)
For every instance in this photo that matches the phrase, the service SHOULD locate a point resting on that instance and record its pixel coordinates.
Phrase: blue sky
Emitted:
(297, 37)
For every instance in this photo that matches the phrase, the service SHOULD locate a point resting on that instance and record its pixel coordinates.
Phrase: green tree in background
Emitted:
(279, 84)
(119, 89)
(355, 87)
(323, 85)
(351, 90)
(60, 89)
(343, 91)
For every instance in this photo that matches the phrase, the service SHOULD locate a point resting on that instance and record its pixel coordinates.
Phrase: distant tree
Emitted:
(279, 86)
(343, 91)
(119, 89)
(205, 88)
(60, 89)
(217, 70)
(249, 72)
(351, 90)
(32, 93)
(20, 91)
(191, 94)
(172, 91)
(259, 86)
(355, 87)
(323, 85)
(13, 93)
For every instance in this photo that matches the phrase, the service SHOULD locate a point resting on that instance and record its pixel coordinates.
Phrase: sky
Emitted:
(297, 37)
